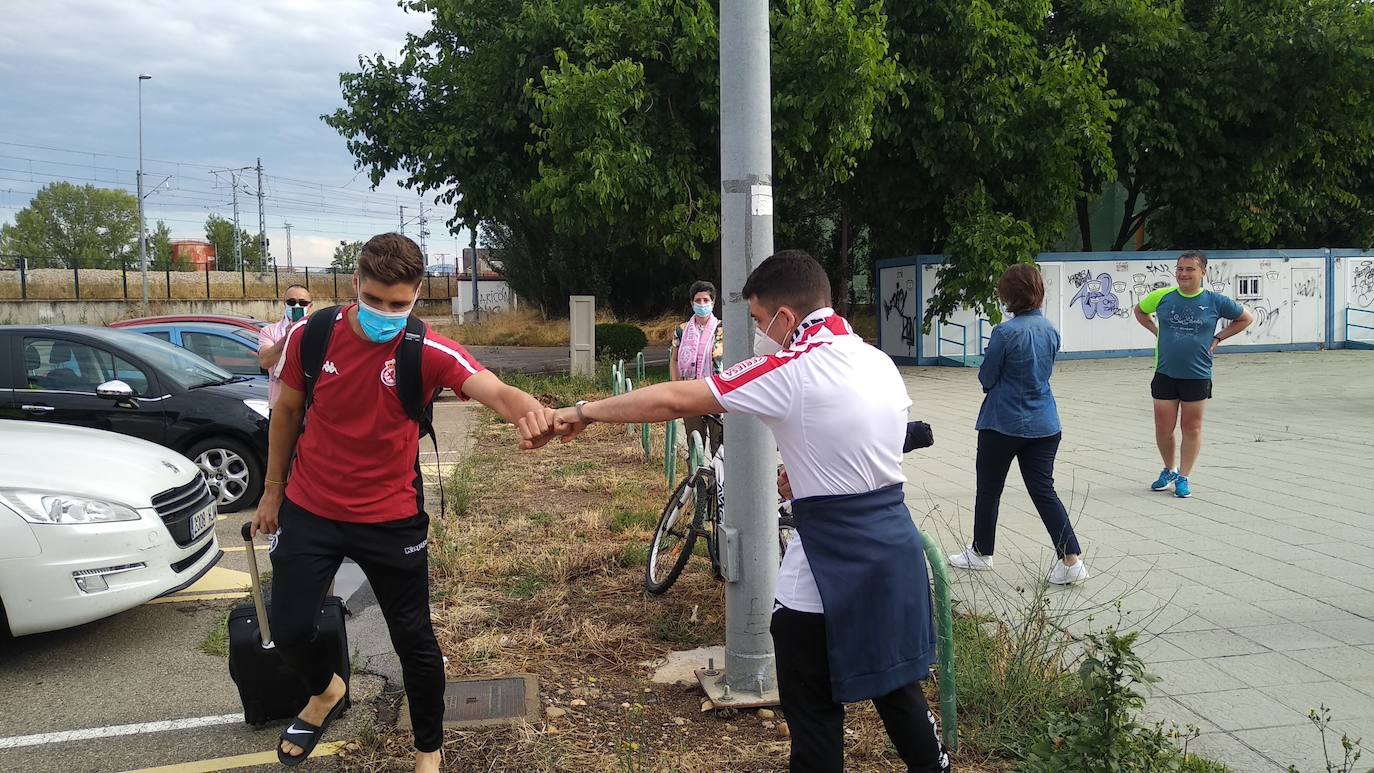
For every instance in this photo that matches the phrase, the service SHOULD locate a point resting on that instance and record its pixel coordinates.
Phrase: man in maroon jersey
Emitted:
(355, 490)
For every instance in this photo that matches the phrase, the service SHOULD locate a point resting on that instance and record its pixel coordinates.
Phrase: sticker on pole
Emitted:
(761, 200)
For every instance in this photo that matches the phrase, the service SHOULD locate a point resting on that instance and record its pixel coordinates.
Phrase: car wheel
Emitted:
(233, 472)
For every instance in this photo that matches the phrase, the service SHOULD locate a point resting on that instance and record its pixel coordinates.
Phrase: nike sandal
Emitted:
(306, 735)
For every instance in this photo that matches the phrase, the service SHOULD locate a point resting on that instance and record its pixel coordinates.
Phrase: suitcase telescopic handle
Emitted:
(264, 630)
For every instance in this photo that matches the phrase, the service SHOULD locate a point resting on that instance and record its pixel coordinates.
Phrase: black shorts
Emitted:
(1188, 390)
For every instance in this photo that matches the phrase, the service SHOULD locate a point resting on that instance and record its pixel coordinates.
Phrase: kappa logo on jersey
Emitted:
(389, 373)
(329, 368)
(742, 367)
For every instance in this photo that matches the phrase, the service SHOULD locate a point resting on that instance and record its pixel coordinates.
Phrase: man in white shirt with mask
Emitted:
(272, 338)
(852, 619)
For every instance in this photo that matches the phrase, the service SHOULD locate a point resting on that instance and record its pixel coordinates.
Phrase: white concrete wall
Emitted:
(491, 296)
(1091, 301)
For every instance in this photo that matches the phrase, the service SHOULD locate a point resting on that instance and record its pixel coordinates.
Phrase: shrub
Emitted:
(619, 341)
(1105, 737)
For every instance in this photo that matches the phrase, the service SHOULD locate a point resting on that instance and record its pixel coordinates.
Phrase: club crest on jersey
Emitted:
(742, 367)
(389, 373)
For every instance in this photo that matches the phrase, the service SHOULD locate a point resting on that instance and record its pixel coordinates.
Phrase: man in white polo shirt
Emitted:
(852, 620)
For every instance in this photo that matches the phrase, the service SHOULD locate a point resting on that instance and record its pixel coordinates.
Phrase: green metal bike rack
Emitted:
(630, 429)
(639, 366)
(944, 624)
(696, 451)
(644, 439)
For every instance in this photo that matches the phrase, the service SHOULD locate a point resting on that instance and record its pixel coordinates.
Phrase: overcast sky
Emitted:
(231, 82)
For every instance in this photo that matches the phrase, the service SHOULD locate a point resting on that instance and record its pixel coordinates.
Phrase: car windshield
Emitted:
(174, 362)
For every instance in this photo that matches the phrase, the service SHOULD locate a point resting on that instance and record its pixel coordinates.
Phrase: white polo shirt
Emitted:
(838, 411)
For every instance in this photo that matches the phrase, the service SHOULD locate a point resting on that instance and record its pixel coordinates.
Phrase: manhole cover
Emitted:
(485, 701)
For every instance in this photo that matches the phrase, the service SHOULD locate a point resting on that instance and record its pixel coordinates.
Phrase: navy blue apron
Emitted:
(870, 569)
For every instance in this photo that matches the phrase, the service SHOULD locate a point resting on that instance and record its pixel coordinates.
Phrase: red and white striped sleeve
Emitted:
(760, 386)
(449, 363)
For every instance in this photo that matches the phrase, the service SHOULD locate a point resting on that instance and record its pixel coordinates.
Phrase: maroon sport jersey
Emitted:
(355, 462)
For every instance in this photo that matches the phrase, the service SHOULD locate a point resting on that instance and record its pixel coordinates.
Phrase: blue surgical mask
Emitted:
(295, 313)
(381, 326)
(702, 309)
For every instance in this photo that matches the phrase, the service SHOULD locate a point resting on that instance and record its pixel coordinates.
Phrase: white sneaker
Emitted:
(1062, 574)
(971, 559)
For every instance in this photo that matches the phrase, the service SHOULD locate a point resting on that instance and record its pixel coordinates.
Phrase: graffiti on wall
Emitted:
(897, 302)
(1362, 284)
(1097, 296)
(1268, 316)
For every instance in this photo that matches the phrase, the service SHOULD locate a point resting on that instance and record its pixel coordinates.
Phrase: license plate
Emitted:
(202, 521)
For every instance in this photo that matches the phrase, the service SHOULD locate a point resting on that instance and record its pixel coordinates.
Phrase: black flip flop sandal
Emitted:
(306, 735)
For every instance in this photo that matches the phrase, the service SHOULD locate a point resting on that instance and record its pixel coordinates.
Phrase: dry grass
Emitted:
(540, 570)
(104, 284)
(527, 327)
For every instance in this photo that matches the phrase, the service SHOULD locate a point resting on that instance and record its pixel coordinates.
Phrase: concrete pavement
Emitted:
(1255, 597)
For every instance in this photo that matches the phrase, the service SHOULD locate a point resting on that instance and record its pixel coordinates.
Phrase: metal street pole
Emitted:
(142, 237)
(262, 223)
(750, 530)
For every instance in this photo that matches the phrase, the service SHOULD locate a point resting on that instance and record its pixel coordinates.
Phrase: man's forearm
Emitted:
(269, 356)
(515, 403)
(659, 402)
(1146, 322)
(1236, 327)
(282, 434)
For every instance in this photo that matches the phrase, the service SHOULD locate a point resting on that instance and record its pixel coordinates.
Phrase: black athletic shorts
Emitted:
(1189, 390)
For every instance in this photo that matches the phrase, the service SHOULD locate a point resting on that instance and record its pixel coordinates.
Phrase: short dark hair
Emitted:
(1195, 255)
(1021, 288)
(702, 286)
(789, 278)
(391, 259)
(294, 285)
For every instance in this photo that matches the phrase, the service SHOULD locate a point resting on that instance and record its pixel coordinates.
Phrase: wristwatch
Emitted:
(580, 417)
(1218, 339)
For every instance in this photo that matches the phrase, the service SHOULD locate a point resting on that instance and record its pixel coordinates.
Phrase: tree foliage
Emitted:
(78, 225)
(219, 232)
(584, 136)
(1243, 124)
(346, 256)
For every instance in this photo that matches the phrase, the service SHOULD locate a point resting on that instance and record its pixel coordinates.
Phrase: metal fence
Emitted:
(62, 279)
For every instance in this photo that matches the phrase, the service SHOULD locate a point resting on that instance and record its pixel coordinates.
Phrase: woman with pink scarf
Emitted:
(698, 346)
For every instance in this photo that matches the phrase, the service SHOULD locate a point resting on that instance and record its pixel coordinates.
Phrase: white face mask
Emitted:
(764, 346)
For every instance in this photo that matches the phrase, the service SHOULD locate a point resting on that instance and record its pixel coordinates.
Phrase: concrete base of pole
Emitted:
(714, 684)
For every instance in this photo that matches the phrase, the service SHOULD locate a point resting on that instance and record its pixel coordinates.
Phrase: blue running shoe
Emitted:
(1166, 476)
(1181, 489)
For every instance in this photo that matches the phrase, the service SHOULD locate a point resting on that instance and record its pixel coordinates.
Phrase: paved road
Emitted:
(145, 666)
(1261, 585)
(544, 359)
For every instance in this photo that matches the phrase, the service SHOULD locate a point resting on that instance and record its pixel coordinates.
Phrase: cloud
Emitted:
(232, 82)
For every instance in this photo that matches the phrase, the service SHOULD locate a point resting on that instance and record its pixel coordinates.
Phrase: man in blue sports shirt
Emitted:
(1185, 329)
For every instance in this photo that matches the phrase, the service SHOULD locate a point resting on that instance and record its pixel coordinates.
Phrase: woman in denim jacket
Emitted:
(1019, 421)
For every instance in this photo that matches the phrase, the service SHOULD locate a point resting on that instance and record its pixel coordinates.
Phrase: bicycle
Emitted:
(693, 510)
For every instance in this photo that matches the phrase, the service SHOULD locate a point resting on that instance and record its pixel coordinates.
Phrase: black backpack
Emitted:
(410, 384)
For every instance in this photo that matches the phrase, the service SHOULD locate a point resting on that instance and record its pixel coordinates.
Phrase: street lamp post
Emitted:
(142, 238)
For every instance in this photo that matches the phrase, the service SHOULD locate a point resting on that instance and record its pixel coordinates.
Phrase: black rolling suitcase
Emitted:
(269, 690)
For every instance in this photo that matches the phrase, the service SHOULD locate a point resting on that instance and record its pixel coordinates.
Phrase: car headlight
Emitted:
(260, 406)
(47, 507)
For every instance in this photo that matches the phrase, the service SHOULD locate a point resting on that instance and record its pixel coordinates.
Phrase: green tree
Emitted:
(75, 225)
(160, 247)
(346, 256)
(220, 233)
(584, 137)
(1242, 124)
(995, 130)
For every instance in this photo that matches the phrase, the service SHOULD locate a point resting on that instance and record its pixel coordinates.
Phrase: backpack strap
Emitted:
(314, 345)
(418, 406)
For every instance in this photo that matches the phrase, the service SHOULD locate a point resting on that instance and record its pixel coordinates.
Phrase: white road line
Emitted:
(66, 736)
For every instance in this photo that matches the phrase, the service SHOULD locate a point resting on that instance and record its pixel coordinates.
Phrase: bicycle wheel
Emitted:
(676, 534)
(787, 526)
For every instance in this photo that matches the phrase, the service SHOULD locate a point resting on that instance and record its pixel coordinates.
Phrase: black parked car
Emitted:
(136, 385)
